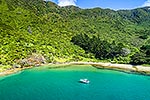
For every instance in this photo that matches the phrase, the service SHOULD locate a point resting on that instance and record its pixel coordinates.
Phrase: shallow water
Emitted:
(62, 84)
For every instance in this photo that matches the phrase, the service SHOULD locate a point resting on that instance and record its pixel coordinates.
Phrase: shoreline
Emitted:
(12, 71)
(100, 65)
(117, 67)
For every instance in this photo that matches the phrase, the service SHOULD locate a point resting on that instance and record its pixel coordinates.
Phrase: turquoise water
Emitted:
(62, 84)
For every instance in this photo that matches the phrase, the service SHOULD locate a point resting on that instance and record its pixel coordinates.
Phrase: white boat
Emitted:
(86, 81)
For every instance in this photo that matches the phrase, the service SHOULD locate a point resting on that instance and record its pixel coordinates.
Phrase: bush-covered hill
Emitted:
(71, 33)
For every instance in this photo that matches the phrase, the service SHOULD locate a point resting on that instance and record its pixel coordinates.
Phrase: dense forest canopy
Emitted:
(70, 33)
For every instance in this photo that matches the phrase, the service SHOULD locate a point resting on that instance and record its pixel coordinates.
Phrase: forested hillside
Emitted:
(61, 34)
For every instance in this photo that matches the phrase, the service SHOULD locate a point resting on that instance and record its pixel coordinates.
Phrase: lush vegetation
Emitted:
(61, 34)
(103, 49)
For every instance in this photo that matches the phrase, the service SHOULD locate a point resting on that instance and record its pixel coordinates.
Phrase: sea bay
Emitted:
(43, 83)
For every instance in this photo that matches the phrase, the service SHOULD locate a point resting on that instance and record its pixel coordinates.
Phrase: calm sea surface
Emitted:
(62, 84)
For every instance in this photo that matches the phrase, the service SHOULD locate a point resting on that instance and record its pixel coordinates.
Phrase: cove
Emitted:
(44, 83)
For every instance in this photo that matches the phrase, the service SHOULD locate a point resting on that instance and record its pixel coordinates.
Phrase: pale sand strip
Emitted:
(120, 67)
(11, 71)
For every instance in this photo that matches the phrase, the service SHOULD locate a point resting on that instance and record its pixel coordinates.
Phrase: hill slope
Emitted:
(71, 33)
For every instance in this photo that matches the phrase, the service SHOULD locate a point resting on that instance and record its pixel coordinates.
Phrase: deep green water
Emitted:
(62, 84)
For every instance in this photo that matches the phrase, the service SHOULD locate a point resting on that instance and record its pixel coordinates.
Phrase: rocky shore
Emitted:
(118, 67)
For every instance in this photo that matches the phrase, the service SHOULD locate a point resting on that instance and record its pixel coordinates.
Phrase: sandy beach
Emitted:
(11, 71)
(118, 67)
